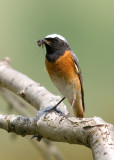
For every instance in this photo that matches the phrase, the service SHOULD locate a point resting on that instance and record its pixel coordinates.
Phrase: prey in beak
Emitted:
(41, 42)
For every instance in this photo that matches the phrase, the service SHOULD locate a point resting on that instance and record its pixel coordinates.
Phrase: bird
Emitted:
(63, 68)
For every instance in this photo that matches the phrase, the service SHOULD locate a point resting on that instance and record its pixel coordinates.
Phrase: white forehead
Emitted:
(56, 35)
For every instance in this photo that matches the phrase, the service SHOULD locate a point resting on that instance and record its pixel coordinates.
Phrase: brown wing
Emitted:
(80, 76)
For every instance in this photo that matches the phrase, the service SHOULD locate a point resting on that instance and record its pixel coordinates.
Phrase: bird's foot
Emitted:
(54, 107)
(38, 137)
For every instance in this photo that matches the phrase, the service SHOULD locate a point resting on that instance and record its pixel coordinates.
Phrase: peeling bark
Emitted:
(94, 133)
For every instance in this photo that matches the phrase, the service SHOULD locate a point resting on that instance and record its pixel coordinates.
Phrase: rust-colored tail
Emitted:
(78, 109)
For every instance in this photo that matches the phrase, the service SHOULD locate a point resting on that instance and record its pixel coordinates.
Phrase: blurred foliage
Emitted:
(89, 28)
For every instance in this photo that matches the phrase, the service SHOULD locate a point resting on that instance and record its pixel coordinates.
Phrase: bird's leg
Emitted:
(39, 137)
(74, 100)
(55, 106)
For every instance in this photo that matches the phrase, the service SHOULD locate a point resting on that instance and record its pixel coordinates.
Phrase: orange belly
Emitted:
(63, 68)
(63, 74)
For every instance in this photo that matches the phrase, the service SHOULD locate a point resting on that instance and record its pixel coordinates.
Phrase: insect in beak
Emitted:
(40, 43)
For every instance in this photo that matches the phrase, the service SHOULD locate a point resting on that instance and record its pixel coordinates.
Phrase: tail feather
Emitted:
(78, 111)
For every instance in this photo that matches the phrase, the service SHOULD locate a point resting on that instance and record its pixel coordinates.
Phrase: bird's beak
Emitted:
(42, 42)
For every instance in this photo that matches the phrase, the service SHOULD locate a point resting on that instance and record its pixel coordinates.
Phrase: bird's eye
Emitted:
(56, 39)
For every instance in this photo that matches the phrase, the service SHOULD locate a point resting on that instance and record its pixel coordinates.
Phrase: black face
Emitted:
(55, 47)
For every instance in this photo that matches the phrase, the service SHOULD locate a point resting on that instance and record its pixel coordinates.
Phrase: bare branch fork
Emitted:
(91, 132)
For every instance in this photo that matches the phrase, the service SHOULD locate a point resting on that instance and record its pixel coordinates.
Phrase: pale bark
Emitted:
(29, 90)
(91, 132)
(47, 149)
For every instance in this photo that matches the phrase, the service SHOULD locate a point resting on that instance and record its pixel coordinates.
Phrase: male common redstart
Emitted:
(64, 71)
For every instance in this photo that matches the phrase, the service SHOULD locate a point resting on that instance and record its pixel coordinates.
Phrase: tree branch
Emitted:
(30, 91)
(47, 149)
(91, 132)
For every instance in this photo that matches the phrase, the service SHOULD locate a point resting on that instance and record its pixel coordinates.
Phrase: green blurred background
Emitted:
(89, 28)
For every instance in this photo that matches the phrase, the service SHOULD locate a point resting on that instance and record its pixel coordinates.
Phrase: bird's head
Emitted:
(55, 45)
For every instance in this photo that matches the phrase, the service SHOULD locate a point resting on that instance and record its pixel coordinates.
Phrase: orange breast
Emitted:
(63, 68)
(64, 74)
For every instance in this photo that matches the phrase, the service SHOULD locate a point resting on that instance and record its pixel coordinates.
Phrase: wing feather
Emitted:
(78, 70)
